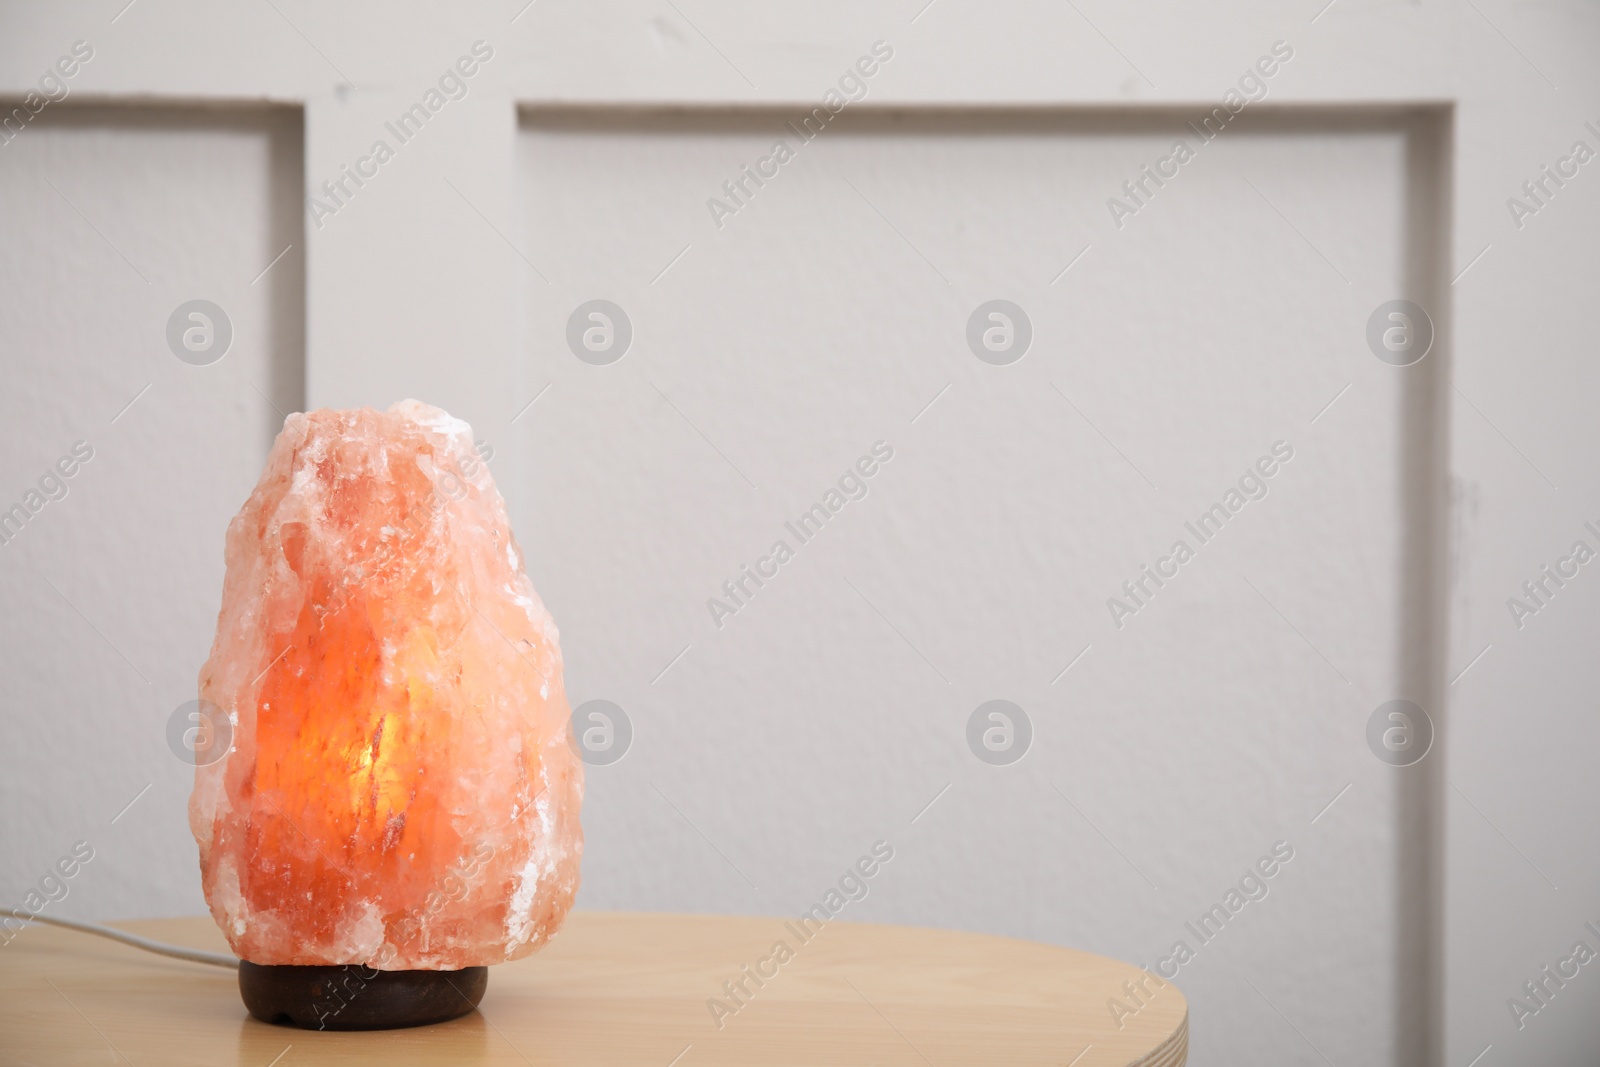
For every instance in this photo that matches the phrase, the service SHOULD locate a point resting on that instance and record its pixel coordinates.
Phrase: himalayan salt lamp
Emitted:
(398, 807)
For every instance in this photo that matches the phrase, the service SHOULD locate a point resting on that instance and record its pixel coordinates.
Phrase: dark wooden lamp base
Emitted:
(354, 997)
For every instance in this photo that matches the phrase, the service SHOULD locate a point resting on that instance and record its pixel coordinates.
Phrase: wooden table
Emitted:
(618, 989)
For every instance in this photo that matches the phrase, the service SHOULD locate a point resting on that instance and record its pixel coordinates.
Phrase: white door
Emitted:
(1096, 450)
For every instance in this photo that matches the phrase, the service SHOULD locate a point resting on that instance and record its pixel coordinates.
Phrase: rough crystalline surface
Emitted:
(401, 789)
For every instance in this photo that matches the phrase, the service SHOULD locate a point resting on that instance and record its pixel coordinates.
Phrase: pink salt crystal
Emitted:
(402, 790)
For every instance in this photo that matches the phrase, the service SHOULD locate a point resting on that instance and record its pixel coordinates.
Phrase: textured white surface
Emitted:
(112, 592)
(806, 330)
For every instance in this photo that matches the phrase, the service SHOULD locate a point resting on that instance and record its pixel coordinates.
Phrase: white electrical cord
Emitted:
(193, 955)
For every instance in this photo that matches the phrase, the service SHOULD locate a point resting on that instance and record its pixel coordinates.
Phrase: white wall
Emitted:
(776, 350)
(110, 218)
(1195, 737)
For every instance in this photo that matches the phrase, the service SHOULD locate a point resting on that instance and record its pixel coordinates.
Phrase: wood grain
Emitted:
(618, 989)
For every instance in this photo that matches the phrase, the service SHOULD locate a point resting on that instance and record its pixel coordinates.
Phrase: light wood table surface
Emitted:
(615, 989)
